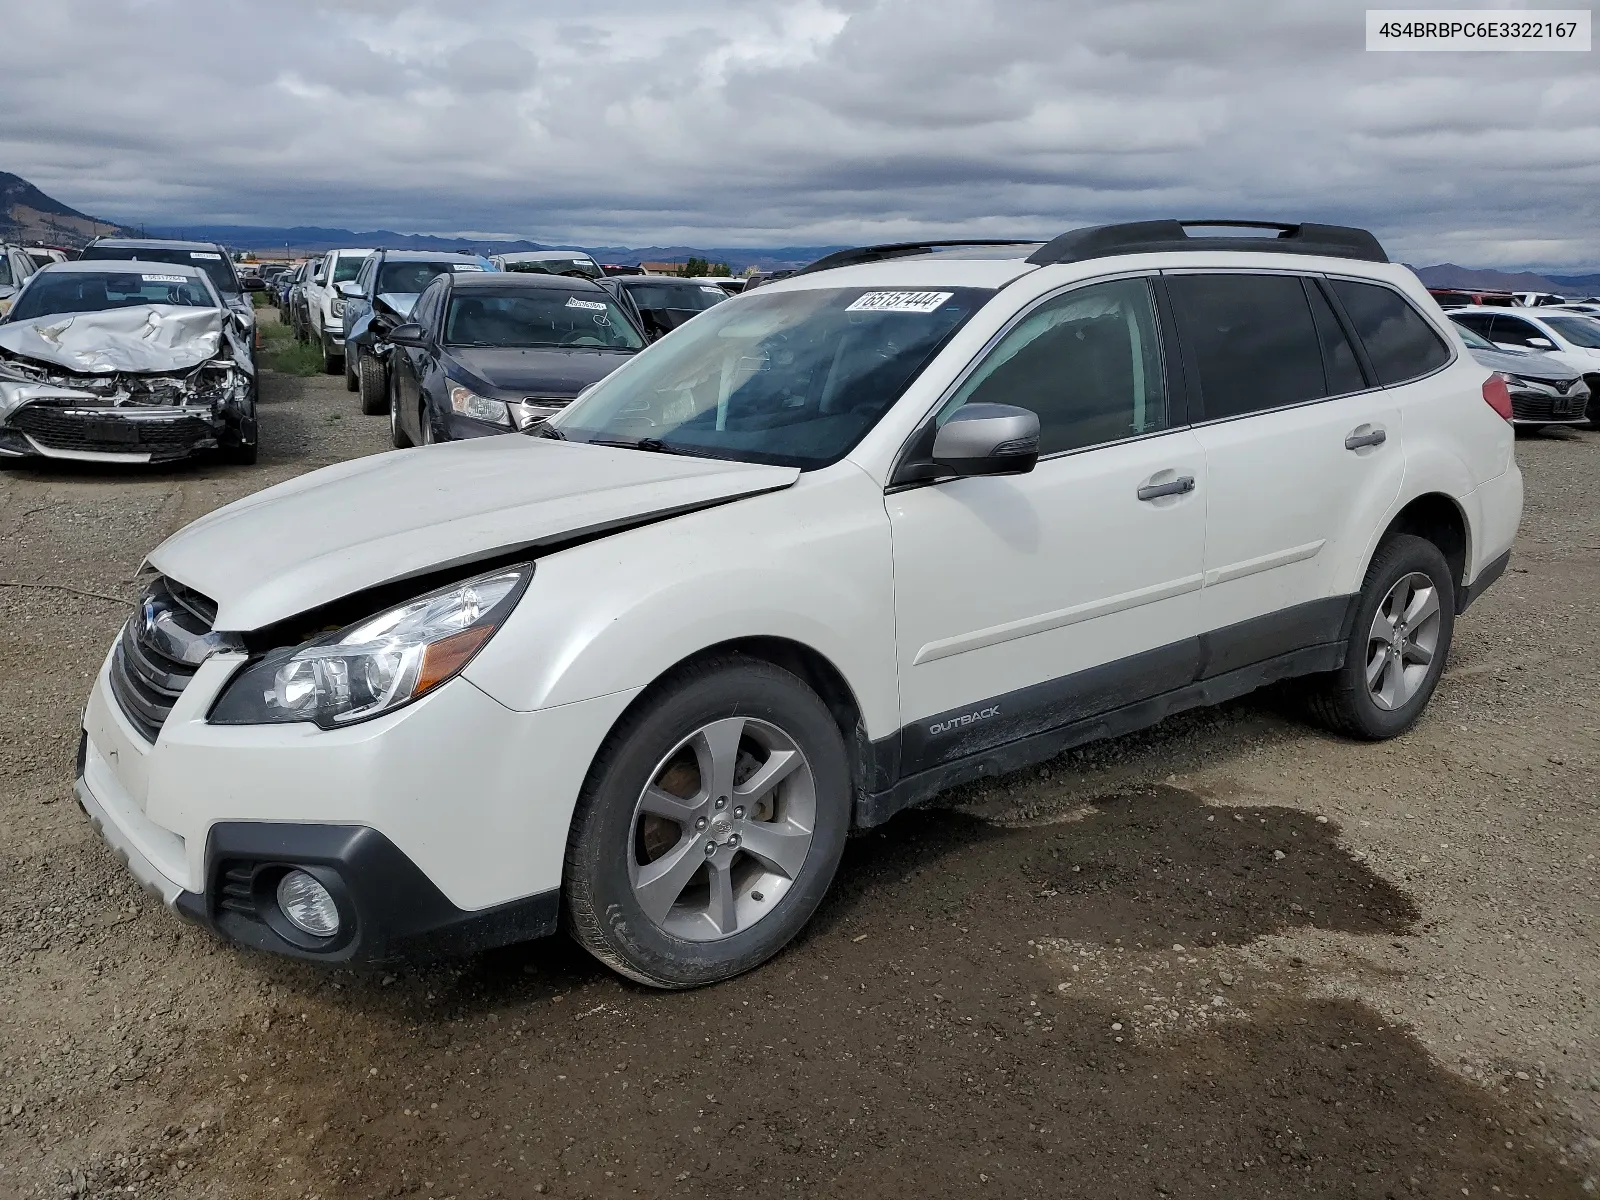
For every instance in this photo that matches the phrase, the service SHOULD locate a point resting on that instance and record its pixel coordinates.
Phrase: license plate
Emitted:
(125, 432)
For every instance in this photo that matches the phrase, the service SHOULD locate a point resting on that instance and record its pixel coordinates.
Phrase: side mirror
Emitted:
(254, 283)
(988, 439)
(1539, 343)
(319, 279)
(351, 289)
(409, 334)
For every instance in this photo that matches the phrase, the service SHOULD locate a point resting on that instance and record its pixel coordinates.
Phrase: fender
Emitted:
(811, 564)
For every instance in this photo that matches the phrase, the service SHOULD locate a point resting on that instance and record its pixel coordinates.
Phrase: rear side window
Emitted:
(1339, 361)
(1252, 339)
(1400, 344)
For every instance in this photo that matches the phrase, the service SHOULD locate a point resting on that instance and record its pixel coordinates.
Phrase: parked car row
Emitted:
(1548, 357)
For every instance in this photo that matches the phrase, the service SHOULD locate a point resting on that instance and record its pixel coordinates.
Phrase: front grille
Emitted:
(1533, 406)
(157, 654)
(106, 433)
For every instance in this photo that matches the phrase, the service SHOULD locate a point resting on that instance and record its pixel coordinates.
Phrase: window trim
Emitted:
(1325, 278)
(1174, 375)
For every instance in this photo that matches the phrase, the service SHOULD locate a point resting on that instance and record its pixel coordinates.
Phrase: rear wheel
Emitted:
(373, 385)
(710, 826)
(398, 437)
(1398, 645)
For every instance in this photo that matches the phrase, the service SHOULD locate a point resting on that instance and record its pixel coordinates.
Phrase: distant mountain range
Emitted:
(28, 215)
(1451, 276)
(298, 240)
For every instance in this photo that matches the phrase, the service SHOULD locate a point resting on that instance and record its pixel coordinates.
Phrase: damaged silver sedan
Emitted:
(135, 362)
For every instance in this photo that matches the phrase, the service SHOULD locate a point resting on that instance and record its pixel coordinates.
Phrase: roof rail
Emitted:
(871, 254)
(1139, 237)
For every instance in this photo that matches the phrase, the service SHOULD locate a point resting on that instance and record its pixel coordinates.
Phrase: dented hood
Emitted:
(147, 338)
(375, 520)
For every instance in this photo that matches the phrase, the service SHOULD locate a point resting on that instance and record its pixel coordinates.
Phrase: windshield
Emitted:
(1580, 331)
(51, 292)
(685, 297)
(791, 378)
(1474, 339)
(583, 268)
(542, 318)
(213, 262)
(409, 278)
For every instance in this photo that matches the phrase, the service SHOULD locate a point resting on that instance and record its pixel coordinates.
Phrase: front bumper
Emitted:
(1539, 405)
(128, 435)
(441, 828)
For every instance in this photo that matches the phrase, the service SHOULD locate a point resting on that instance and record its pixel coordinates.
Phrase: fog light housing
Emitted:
(307, 905)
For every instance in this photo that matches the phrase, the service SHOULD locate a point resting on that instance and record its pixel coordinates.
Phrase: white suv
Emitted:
(325, 304)
(913, 516)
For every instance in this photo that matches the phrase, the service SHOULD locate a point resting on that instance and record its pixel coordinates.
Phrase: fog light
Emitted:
(308, 905)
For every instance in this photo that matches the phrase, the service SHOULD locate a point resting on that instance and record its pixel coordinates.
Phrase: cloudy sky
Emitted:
(797, 122)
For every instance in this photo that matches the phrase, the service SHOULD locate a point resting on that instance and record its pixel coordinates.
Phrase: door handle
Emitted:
(1173, 487)
(1356, 439)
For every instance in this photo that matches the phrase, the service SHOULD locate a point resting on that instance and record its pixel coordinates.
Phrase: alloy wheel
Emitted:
(1403, 641)
(722, 829)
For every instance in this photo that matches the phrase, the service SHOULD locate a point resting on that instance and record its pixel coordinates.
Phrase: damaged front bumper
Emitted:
(123, 424)
(126, 386)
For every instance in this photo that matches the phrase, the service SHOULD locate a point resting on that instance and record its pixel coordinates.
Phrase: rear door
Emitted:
(1028, 602)
(1303, 456)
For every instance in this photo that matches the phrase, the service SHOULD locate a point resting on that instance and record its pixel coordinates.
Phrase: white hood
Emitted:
(352, 526)
(147, 338)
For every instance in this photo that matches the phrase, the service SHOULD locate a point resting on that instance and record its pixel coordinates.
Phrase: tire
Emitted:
(332, 360)
(352, 368)
(430, 432)
(243, 443)
(398, 437)
(687, 938)
(374, 386)
(1343, 700)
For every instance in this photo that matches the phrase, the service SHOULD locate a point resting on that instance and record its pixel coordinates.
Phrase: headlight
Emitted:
(375, 665)
(469, 404)
(336, 307)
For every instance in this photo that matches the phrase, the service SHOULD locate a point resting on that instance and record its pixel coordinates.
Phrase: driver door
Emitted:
(1025, 603)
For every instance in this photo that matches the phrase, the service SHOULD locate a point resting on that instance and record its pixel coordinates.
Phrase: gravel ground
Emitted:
(1229, 955)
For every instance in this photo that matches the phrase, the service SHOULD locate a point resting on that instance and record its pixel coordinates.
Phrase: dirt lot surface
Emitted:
(1231, 956)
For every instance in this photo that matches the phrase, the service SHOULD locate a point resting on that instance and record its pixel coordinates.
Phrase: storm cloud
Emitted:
(806, 122)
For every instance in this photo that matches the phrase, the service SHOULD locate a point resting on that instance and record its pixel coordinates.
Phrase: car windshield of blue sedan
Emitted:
(96, 291)
(543, 318)
(409, 278)
(789, 378)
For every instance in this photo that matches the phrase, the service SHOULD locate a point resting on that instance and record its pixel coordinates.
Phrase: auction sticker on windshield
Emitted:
(164, 279)
(911, 302)
(592, 305)
(204, 254)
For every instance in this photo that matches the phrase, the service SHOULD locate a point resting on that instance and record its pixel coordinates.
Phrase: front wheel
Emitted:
(398, 437)
(373, 385)
(332, 359)
(710, 826)
(1405, 618)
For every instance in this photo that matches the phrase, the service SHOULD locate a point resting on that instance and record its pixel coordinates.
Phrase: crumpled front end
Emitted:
(144, 384)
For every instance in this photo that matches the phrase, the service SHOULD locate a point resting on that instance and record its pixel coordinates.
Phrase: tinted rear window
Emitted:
(1252, 340)
(1400, 344)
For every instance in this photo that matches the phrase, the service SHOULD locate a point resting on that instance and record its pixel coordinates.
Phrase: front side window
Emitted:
(539, 319)
(792, 378)
(1400, 343)
(1580, 331)
(96, 291)
(1252, 338)
(1088, 363)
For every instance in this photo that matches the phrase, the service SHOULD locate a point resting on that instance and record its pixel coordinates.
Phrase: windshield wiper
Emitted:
(548, 431)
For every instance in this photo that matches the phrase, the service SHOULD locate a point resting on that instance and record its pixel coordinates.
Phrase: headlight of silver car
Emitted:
(375, 665)
(469, 404)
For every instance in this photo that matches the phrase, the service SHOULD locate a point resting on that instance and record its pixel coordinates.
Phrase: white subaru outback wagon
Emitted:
(913, 516)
